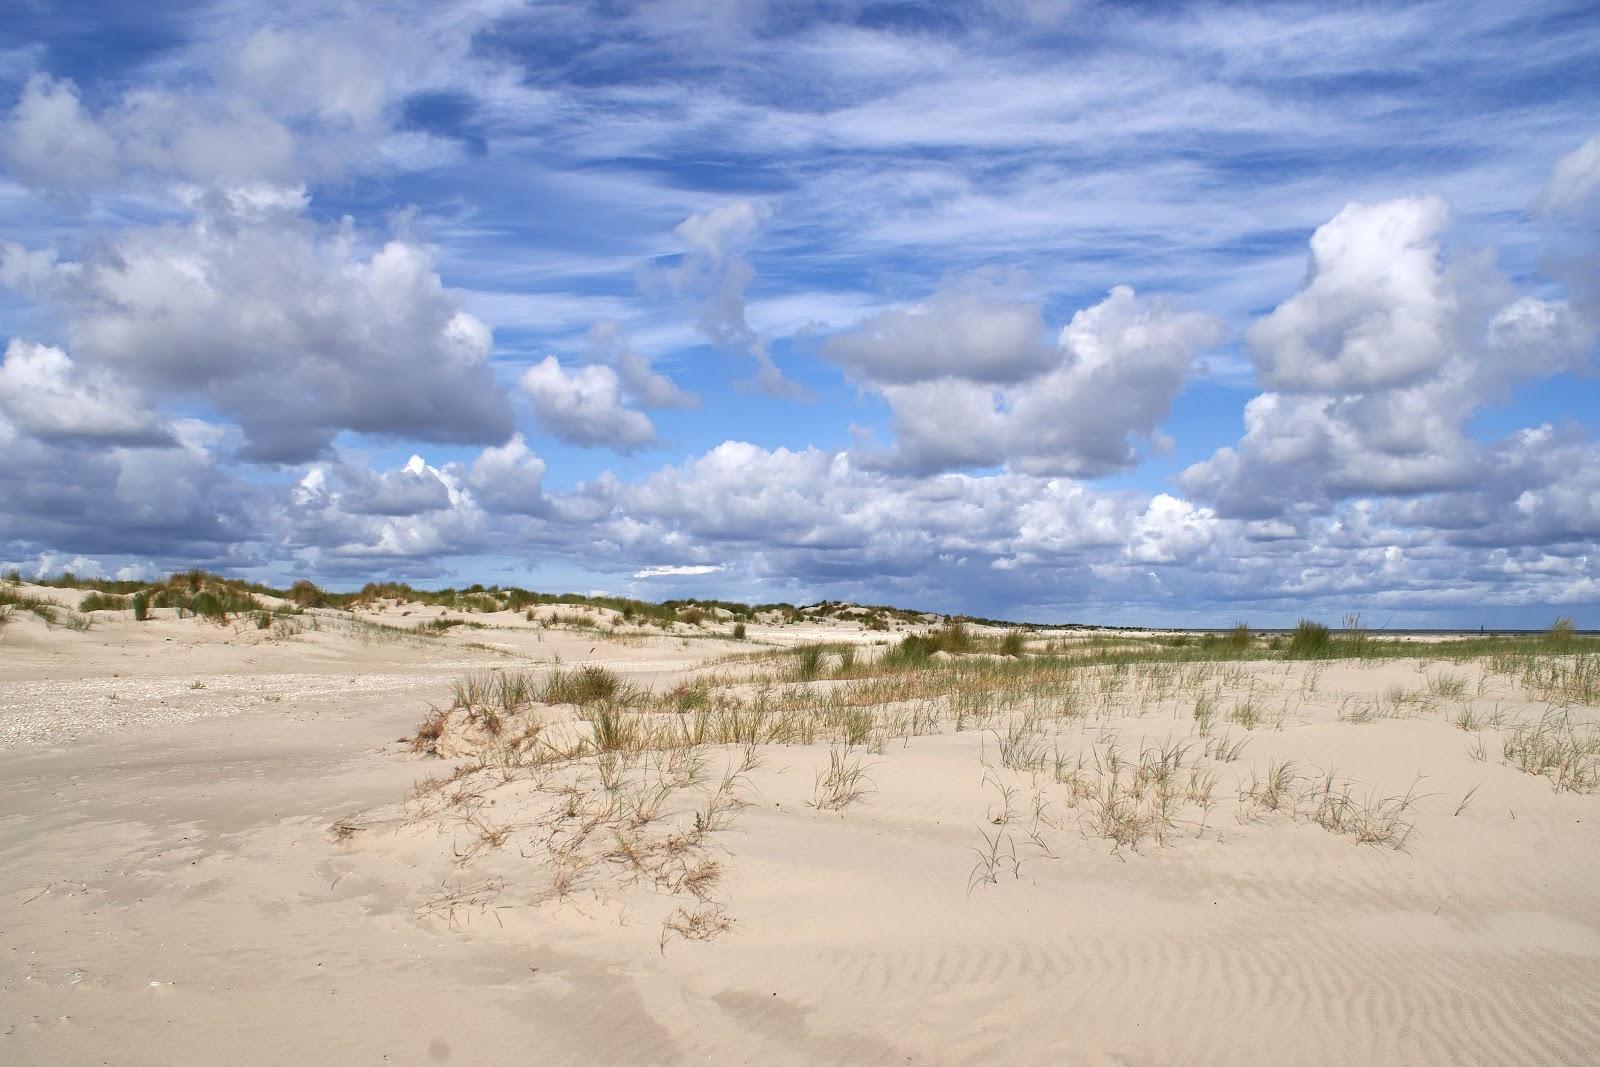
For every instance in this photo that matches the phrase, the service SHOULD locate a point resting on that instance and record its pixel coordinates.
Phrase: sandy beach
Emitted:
(220, 844)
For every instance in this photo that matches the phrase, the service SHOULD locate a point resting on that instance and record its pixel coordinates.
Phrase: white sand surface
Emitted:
(170, 891)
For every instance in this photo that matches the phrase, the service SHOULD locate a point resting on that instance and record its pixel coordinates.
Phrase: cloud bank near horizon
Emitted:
(1241, 313)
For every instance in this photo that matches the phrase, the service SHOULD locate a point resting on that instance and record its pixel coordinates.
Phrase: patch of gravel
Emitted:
(57, 711)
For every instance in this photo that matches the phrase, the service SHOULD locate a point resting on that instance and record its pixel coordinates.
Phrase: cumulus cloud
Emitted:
(173, 503)
(51, 142)
(277, 104)
(1115, 370)
(508, 479)
(412, 490)
(45, 395)
(953, 334)
(343, 519)
(1377, 309)
(1378, 364)
(804, 524)
(641, 383)
(583, 406)
(279, 323)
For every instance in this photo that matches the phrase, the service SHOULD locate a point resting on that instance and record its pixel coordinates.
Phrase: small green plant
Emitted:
(738, 631)
(1013, 644)
(141, 607)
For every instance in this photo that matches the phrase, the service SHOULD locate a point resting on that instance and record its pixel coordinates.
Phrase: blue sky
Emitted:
(1176, 313)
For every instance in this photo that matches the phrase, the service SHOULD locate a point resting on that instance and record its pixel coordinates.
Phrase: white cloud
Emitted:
(1116, 369)
(412, 490)
(583, 406)
(1574, 180)
(678, 571)
(641, 383)
(715, 272)
(953, 334)
(52, 142)
(1377, 309)
(1378, 364)
(278, 323)
(508, 479)
(46, 396)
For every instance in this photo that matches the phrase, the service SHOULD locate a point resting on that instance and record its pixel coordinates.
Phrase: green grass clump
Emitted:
(585, 685)
(98, 601)
(1013, 644)
(22, 601)
(141, 606)
(808, 664)
(1310, 640)
(915, 650)
(305, 594)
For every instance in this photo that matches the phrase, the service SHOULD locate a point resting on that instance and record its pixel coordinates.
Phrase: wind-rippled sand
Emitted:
(247, 871)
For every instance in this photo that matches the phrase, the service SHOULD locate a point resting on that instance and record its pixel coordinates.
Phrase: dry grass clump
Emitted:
(843, 782)
(1150, 795)
(1569, 679)
(1272, 793)
(1558, 747)
(1331, 803)
(426, 740)
(305, 594)
(608, 798)
(1376, 820)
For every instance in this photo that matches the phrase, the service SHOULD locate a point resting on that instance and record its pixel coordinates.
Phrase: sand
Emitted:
(170, 890)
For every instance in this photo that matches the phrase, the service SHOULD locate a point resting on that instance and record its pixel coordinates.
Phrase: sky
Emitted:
(1164, 313)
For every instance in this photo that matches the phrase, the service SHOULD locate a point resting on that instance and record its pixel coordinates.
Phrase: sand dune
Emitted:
(232, 861)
